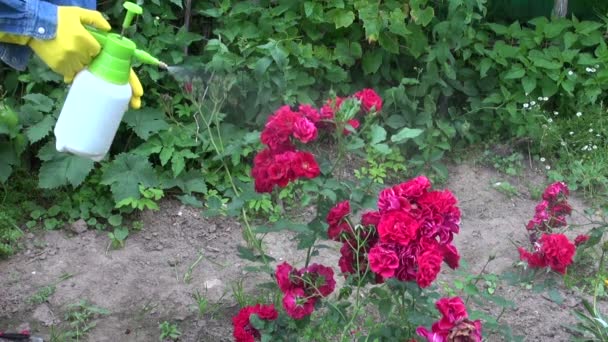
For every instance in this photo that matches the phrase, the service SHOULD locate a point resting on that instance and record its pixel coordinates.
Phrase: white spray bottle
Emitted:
(100, 94)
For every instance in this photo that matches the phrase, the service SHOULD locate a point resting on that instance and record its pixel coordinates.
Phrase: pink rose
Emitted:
(304, 130)
(383, 261)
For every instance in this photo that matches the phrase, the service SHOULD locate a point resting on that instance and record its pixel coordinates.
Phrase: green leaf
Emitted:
(372, 61)
(178, 3)
(146, 121)
(126, 173)
(279, 55)
(395, 121)
(41, 129)
(342, 17)
(262, 65)
(121, 233)
(516, 71)
(397, 23)
(441, 169)
(378, 134)
(5, 171)
(383, 148)
(423, 16)
(529, 84)
(484, 66)
(61, 169)
(115, 220)
(389, 42)
(41, 102)
(569, 39)
(405, 134)
(189, 182)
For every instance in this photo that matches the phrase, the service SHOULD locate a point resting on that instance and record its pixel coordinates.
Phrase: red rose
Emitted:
(389, 199)
(328, 111)
(451, 255)
(397, 227)
(335, 230)
(555, 191)
(322, 277)
(279, 128)
(452, 310)
(353, 123)
(454, 325)
(413, 188)
(243, 331)
(429, 265)
(561, 208)
(338, 212)
(534, 260)
(371, 218)
(347, 259)
(383, 261)
(558, 251)
(304, 130)
(310, 113)
(581, 239)
(287, 277)
(369, 99)
(305, 165)
(297, 305)
(188, 87)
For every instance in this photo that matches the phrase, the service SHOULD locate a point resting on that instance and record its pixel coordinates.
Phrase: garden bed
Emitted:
(155, 277)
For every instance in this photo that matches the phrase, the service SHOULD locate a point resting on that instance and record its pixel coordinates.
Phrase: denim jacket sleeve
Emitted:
(34, 18)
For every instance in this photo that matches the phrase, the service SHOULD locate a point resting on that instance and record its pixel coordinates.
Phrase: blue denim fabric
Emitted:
(34, 18)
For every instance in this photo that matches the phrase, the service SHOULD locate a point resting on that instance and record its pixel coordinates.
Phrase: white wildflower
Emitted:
(570, 72)
(548, 167)
(526, 105)
(590, 130)
(579, 114)
(571, 133)
(550, 120)
(595, 147)
(542, 159)
(545, 98)
(532, 103)
(556, 113)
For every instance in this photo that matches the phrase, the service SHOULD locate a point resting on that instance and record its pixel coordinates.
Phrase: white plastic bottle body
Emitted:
(91, 115)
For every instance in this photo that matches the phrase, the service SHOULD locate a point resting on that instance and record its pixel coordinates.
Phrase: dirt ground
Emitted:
(143, 284)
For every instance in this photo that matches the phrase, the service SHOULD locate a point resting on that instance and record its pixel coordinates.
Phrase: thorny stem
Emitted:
(249, 235)
(360, 278)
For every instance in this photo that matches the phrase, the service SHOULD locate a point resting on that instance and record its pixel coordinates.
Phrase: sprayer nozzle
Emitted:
(163, 65)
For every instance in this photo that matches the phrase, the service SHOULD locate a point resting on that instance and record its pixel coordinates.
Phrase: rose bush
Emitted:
(398, 246)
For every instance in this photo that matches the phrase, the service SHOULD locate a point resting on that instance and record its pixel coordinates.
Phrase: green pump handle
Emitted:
(114, 61)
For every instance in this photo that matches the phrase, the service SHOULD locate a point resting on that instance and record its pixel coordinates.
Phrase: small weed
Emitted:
(506, 188)
(202, 302)
(79, 317)
(511, 165)
(117, 238)
(169, 331)
(44, 293)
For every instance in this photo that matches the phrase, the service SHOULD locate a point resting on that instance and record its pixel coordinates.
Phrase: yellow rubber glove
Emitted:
(138, 90)
(73, 46)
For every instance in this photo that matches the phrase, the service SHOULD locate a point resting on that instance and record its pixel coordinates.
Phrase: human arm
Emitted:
(57, 34)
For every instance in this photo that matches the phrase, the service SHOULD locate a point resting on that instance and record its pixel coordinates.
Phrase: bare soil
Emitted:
(142, 284)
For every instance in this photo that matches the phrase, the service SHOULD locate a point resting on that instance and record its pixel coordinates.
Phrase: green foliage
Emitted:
(169, 331)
